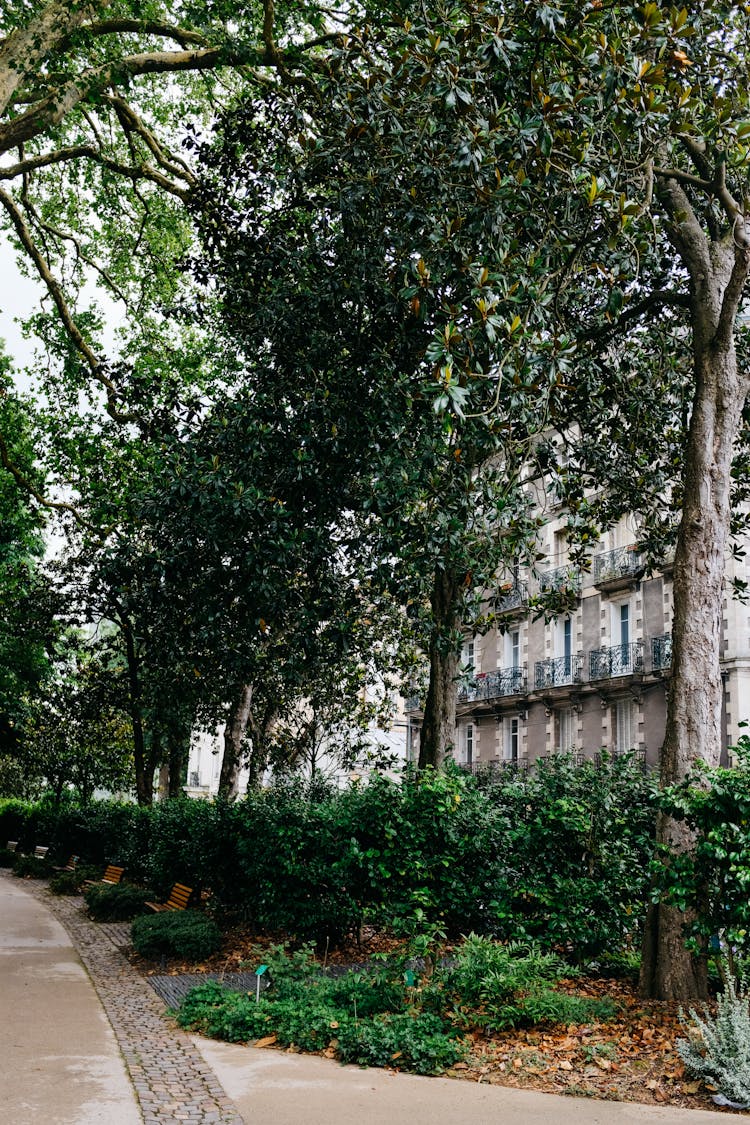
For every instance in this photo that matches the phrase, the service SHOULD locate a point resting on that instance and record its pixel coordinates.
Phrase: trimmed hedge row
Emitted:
(559, 855)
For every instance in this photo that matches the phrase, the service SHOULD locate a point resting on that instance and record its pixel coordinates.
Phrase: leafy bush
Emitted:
(65, 883)
(181, 933)
(118, 903)
(710, 883)
(718, 1046)
(497, 986)
(30, 867)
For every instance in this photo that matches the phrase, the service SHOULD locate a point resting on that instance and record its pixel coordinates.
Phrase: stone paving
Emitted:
(172, 1081)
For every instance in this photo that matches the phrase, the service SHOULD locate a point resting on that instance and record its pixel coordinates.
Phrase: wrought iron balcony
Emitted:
(563, 579)
(623, 562)
(616, 660)
(494, 766)
(511, 595)
(494, 685)
(661, 652)
(558, 671)
(412, 703)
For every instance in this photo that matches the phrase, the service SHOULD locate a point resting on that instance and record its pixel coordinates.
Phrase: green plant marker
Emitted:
(410, 978)
(258, 974)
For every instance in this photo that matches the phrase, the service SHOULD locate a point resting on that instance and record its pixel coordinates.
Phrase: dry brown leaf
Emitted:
(267, 1041)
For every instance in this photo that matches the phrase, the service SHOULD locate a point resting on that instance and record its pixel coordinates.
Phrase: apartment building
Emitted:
(596, 676)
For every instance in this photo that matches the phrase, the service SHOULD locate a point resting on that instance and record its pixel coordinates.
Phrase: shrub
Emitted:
(65, 883)
(117, 903)
(184, 933)
(718, 1047)
(30, 867)
(498, 986)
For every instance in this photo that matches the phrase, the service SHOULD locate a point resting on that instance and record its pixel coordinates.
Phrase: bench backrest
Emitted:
(179, 897)
(112, 874)
(40, 852)
(11, 846)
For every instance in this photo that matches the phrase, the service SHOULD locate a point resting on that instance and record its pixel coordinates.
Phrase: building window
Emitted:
(513, 648)
(624, 726)
(564, 645)
(467, 658)
(512, 739)
(566, 729)
(469, 743)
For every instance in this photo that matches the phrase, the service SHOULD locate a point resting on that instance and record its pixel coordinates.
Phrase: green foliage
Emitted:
(179, 933)
(30, 867)
(66, 883)
(718, 1045)
(712, 881)
(497, 986)
(416, 1041)
(118, 903)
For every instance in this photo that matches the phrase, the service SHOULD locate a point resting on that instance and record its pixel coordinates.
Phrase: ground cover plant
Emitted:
(414, 1013)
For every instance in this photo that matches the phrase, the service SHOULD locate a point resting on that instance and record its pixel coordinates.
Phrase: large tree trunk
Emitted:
(695, 694)
(438, 733)
(234, 732)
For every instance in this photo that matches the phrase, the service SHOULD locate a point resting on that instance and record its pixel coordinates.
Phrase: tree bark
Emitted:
(234, 732)
(718, 273)
(438, 733)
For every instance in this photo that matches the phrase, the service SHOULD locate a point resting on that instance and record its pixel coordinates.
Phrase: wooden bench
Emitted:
(40, 852)
(112, 875)
(179, 897)
(12, 846)
(70, 865)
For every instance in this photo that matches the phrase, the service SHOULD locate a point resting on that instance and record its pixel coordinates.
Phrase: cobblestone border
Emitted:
(172, 1080)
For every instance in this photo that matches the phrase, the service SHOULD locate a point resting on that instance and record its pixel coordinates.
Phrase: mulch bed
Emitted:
(630, 1058)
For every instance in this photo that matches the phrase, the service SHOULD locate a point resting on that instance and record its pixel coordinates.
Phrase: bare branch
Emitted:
(88, 152)
(180, 35)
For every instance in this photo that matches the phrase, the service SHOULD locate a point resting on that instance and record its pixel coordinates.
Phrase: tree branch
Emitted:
(88, 152)
(26, 485)
(95, 365)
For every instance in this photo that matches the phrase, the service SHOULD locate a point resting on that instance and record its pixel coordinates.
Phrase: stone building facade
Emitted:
(595, 677)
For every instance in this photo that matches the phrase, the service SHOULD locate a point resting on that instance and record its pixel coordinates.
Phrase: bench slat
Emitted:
(179, 897)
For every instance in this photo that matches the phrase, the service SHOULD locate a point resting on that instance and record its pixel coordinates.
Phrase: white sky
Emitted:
(19, 298)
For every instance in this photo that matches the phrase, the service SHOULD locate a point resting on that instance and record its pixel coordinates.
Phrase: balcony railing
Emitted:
(623, 562)
(558, 671)
(661, 652)
(563, 579)
(494, 685)
(616, 660)
(511, 595)
(412, 703)
(495, 765)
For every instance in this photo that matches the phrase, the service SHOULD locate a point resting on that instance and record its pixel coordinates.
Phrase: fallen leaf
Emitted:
(267, 1041)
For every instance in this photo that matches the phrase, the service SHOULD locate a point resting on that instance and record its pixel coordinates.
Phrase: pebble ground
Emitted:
(171, 1079)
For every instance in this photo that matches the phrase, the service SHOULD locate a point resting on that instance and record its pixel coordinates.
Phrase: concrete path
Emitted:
(273, 1088)
(83, 1040)
(59, 1060)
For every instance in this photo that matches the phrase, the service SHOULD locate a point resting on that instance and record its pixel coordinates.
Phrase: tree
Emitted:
(605, 164)
(362, 277)
(29, 628)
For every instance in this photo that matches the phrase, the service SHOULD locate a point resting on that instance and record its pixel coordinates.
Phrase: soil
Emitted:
(630, 1058)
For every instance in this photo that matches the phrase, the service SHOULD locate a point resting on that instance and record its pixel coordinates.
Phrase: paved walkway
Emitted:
(71, 1054)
